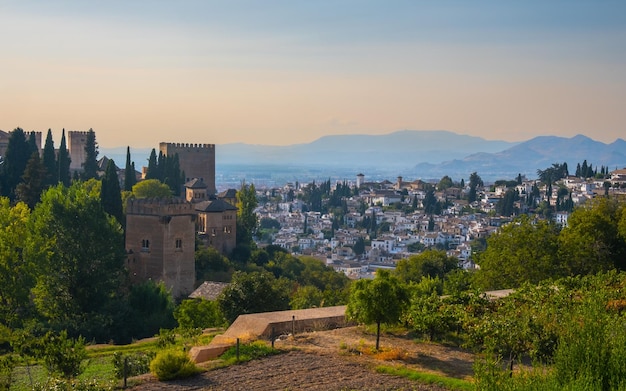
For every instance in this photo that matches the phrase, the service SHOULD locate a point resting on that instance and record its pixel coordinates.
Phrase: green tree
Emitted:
(150, 309)
(307, 296)
(17, 271)
(522, 251)
(80, 253)
(246, 217)
(129, 173)
(592, 242)
(253, 292)
(152, 172)
(16, 158)
(151, 188)
(211, 265)
(62, 355)
(359, 246)
(49, 160)
(198, 314)
(430, 263)
(381, 300)
(445, 183)
(90, 166)
(33, 181)
(63, 163)
(475, 181)
(110, 194)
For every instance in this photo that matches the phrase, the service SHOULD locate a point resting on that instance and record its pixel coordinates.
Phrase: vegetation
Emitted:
(172, 364)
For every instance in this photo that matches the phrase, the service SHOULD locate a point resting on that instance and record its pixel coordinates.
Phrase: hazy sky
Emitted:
(284, 72)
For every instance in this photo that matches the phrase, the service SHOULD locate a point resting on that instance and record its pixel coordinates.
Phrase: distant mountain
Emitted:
(527, 157)
(427, 155)
(396, 150)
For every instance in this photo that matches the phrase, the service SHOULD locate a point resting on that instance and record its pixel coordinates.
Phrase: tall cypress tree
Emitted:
(49, 160)
(129, 172)
(29, 190)
(16, 157)
(110, 194)
(152, 166)
(63, 163)
(32, 142)
(90, 166)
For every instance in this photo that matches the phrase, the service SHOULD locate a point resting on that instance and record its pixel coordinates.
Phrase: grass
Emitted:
(247, 352)
(428, 378)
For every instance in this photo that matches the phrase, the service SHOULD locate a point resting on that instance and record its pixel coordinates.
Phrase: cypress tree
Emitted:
(152, 172)
(29, 190)
(129, 172)
(49, 160)
(32, 143)
(110, 195)
(17, 154)
(90, 166)
(63, 163)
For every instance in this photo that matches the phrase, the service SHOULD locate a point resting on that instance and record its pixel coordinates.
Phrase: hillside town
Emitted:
(403, 228)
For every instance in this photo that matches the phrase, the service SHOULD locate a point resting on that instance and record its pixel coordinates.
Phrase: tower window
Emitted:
(179, 244)
(145, 245)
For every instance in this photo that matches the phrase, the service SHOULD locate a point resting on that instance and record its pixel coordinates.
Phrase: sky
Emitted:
(287, 72)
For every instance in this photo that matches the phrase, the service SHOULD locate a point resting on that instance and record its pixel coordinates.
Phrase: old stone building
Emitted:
(196, 161)
(160, 242)
(217, 224)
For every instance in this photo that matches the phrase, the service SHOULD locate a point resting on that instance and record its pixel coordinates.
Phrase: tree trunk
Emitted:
(377, 335)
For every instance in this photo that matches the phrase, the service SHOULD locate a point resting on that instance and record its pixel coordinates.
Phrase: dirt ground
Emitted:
(340, 359)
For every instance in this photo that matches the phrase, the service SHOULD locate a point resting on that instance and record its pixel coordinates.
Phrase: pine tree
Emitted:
(111, 195)
(129, 172)
(63, 163)
(49, 160)
(90, 166)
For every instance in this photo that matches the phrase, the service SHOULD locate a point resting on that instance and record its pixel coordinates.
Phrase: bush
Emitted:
(132, 364)
(7, 363)
(77, 385)
(172, 364)
(63, 356)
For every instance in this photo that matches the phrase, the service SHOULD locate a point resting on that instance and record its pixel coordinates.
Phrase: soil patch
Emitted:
(341, 359)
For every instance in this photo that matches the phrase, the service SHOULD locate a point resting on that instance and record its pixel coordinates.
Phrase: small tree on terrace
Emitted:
(380, 300)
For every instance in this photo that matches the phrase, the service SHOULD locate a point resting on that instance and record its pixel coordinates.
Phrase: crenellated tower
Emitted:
(196, 160)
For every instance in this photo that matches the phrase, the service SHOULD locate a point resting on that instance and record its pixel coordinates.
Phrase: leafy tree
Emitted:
(430, 263)
(17, 275)
(380, 300)
(129, 172)
(211, 265)
(150, 309)
(445, 183)
(63, 163)
(307, 296)
(151, 188)
(592, 242)
(253, 292)
(16, 158)
(359, 246)
(49, 160)
(90, 166)
(33, 181)
(521, 251)
(246, 217)
(198, 314)
(111, 195)
(80, 253)
(506, 205)
(62, 355)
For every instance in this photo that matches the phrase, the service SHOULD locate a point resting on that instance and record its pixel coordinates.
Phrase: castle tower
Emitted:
(196, 160)
(76, 141)
(359, 180)
(160, 242)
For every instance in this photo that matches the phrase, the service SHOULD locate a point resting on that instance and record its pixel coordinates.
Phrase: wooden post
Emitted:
(273, 337)
(293, 325)
(237, 349)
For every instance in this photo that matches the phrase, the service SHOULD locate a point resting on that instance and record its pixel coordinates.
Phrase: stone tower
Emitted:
(196, 160)
(76, 141)
(160, 242)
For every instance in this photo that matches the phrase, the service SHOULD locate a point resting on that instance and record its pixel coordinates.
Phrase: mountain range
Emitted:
(427, 155)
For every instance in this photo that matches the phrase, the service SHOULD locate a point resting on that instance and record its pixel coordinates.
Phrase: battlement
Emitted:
(159, 207)
(77, 133)
(210, 147)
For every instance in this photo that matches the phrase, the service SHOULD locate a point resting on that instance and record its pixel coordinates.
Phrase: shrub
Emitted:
(166, 338)
(7, 363)
(63, 356)
(172, 364)
(132, 364)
